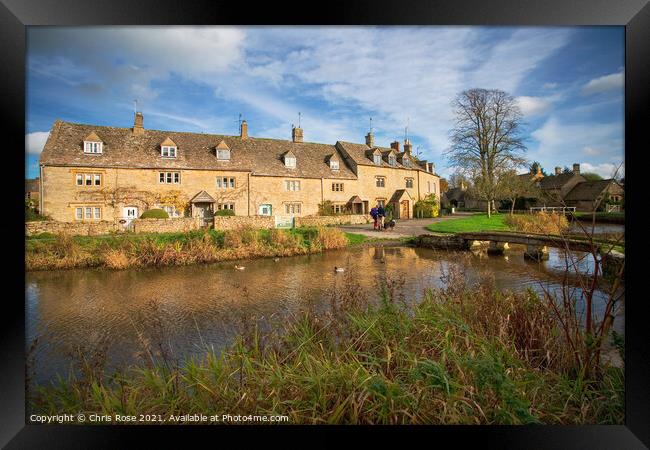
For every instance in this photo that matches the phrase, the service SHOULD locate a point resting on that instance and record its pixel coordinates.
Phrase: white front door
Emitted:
(129, 213)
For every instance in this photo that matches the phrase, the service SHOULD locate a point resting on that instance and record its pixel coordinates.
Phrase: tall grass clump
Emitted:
(542, 223)
(168, 249)
(464, 354)
(330, 238)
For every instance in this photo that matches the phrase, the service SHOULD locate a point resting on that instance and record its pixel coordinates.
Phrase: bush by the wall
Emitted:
(155, 214)
(224, 212)
(427, 207)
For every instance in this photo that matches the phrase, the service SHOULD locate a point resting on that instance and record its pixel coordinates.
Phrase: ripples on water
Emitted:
(200, 305)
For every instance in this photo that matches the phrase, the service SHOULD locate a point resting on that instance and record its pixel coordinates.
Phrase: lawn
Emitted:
(478, 222)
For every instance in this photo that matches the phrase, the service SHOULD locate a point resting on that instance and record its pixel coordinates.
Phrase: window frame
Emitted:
(392, 160)
(293, 208)
(340, 185)
(292, 185)
(96, 147)
(407, 181)
(222, 206)
(226, 150)
(376, 159)
(293, 163)
(379, 179)
(169, 149)
(87, 179)
(334, 164)
(173, 177)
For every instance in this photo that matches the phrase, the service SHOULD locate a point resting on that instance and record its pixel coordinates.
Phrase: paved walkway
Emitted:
(403, 228)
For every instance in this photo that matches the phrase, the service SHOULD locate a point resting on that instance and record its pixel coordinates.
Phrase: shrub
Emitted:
(427, 207)
(155, 214)
(116, 259)
(329, 238)
(543, 222)
(224, 212)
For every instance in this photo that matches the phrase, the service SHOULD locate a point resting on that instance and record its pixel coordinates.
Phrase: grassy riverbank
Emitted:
(463, 355)
(120, 251)
(476, 222)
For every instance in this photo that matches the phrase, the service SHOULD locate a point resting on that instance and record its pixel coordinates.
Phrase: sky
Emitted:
(568, 82)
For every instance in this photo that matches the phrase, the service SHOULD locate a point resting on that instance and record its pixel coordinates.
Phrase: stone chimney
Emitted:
(558, 170)
(243, 132)
(408, 147)
(138, 124)
(576, 169)
(370, 140)
(296, 134)
(395, 146)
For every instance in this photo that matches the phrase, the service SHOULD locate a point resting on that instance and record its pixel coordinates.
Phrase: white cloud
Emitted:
(534, 106)
(34, 142)
(605, 170)
(604, 83)
(591, 151)
(398, 73)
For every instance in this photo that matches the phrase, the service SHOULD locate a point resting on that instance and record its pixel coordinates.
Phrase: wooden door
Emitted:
(404, 210)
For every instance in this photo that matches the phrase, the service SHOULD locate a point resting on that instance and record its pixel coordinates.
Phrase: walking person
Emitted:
(373, 214)
(381, 214)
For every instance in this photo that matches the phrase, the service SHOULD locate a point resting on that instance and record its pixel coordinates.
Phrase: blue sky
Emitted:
(568, 81)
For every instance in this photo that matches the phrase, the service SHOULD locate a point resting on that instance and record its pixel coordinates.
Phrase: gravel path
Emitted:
(403, 228)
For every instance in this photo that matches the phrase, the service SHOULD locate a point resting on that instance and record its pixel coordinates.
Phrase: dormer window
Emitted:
(93, 144)
(377, 159)
(290, 160)
(406, 162)
(392, 161)
(92, 147)
(334, 164)
(168, 151)
(223, 151)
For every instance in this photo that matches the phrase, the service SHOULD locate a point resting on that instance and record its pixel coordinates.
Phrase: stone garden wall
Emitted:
(176, 225)
(234, 222)
(105, 227)
(73, 228)
(349, 219)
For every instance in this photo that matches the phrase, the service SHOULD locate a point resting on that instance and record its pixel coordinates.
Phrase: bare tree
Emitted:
(486, 138)
(513, 186)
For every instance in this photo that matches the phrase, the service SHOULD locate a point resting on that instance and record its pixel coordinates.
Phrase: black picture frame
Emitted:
(16, 15)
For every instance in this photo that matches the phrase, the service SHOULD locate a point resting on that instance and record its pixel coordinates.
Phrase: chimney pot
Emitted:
(407, 146)
(395, 146)
(296, 134)
(576, 169)
(138, 124)
(558, 170)
(243, 132)
(370, 140)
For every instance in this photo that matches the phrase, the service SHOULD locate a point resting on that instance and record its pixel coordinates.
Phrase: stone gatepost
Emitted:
(536, 252)
(497, 248)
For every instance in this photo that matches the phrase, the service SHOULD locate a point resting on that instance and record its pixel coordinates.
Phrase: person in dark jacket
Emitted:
(373, 214)
(381, 214)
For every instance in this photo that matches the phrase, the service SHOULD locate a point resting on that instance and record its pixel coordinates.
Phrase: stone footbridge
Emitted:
(536, 244)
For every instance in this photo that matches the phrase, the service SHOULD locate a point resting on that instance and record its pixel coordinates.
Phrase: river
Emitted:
(200, 306)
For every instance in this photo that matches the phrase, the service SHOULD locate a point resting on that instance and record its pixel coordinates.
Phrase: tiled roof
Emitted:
(202, 197)
(557, 181)
(398, 194)
(588, 190)
(361, 154)
(195, 151)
